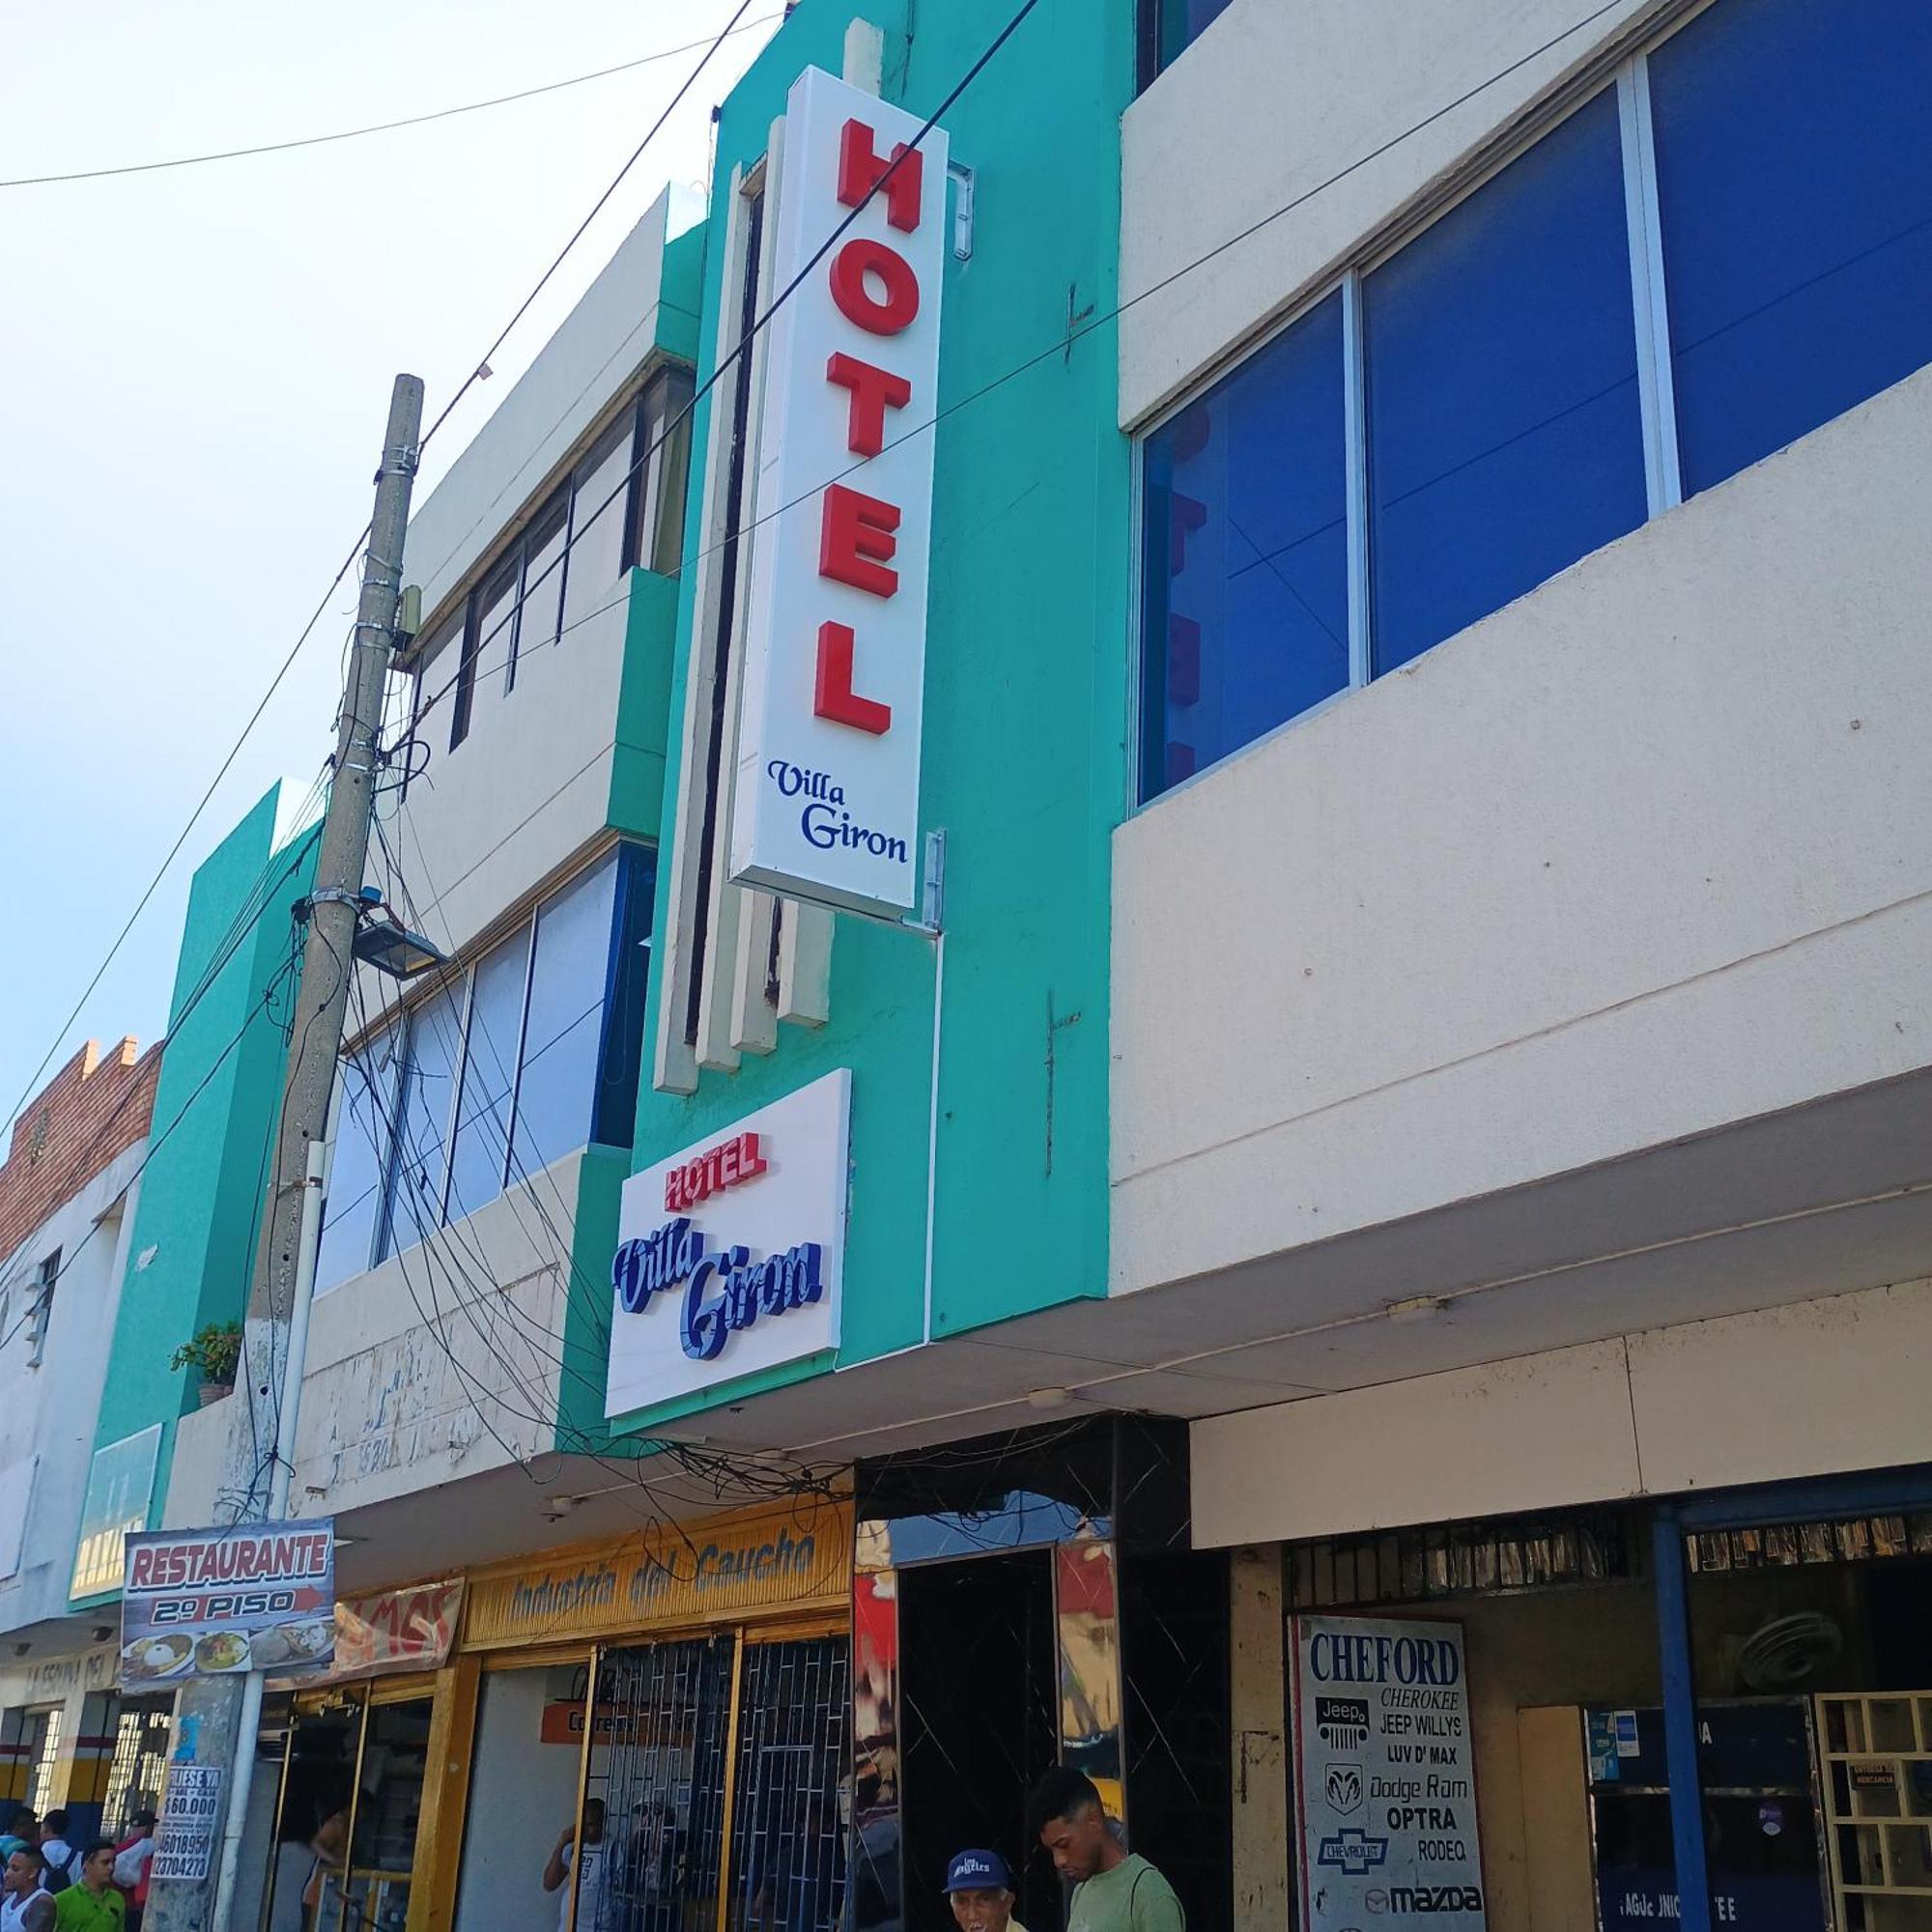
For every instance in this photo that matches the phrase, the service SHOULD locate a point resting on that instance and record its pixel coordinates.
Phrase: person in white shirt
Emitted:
(63, 1863)
(556, 1873)
(26, 1905)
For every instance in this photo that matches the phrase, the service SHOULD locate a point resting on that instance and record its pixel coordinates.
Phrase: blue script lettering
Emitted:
(723, 1290)
(793, 780)
(827, 833)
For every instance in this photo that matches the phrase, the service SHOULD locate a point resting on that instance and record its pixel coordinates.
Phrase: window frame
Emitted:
(41, 1308)
(638, 540)
(1623, 68)
(626, 991)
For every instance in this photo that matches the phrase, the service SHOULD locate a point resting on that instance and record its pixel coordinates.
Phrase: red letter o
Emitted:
(853, 263)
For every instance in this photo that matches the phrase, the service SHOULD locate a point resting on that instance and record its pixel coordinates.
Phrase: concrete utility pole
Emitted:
(216, 1718)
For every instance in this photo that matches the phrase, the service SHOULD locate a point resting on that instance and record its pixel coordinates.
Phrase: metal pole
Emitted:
(213, 1726)
(583, 1790)
(1680, 1723)
(249, 1723)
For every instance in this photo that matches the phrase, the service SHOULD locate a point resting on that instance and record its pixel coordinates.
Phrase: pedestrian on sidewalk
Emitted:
(133, 1857)
(60, 1856)
(1114, 1890)
(91, 1904)
(26, 1905)
(980, 1889)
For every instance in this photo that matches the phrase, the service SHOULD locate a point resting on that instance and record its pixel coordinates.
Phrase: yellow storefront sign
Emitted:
(718, 1569)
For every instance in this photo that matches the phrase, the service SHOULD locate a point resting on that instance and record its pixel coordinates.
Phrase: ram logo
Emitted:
(1341, 1786)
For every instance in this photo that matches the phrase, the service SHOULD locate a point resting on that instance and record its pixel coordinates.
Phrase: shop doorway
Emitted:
(140, 1762)
(526, 1769)
(351, 1797)
(715, 1765)
(978, 1724)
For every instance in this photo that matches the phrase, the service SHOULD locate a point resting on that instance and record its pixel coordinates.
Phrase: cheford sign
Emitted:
(825, 799)
(730, 1253)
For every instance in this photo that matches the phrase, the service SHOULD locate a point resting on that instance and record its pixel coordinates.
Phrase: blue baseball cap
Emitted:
(979, 1871)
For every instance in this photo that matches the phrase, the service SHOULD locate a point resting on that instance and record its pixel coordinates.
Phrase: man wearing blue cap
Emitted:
(981, 1887)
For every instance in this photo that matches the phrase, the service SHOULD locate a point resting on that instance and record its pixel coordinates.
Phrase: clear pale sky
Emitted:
(197, 368)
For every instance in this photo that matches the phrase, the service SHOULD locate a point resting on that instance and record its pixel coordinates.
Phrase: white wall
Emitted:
(597, 348)
(439, 1364)
(522, 1793)
(48, 1414)
(1274, 99)
(521, 796)
(1646, 852)
(531, 783)
(1813, 1389)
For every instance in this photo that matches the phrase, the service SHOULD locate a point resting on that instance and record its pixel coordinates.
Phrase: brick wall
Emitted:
(95, 1108)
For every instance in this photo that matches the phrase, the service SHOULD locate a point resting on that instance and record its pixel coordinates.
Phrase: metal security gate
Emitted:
(718, 1763)
(787, 1840)
(657, 1763)
(140, 1760)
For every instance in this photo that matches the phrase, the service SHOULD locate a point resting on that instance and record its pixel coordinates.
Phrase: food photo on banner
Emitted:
(211, 1603)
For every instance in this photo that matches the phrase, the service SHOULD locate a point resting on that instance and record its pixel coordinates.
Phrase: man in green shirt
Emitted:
(92, 1905)
(1114, 1890)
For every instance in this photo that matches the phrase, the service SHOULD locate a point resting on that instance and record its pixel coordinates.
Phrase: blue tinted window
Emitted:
(364, 1095)
(1795, 189)
(482, 1143)
(422, 1159)
(1504, 431)
(625, 1017)
(569, 984)
(1175, 26)
(1247, 565)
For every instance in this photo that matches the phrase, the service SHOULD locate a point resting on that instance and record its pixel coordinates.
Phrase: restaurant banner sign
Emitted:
(213, 1602)
(390, 1631)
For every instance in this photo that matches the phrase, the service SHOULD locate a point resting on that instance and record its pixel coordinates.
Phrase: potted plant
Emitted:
(213, 1355)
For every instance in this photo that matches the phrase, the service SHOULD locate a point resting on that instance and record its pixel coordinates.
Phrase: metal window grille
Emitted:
(1460, 1559)
(140, 1762)
(46, 1758)
(787, 1839)
(1859, 1539)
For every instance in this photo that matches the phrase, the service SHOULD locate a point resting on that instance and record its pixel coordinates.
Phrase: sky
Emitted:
(198, 364)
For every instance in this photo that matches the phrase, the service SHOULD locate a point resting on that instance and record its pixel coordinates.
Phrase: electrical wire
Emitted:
(348, 561)
(596, 209)
(376, 127)
(154, 1146)
(194, 817)
(743, 346)
(224, 951)
(1061, 344)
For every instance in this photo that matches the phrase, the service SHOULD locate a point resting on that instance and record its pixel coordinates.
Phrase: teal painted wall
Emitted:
(680, 291)
(1027, 681)
(643, 707)
(221, 1075)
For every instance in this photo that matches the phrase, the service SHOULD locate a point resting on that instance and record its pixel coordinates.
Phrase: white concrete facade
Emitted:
(47, 1413)
(1273, 101)
(550, 414)
(1572, 1031)
(443, 1364)
(528, 788)
(1824, 1386)
(440, 1363)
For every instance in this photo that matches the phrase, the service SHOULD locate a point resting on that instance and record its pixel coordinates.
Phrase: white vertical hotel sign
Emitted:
(825, 798)
(1384, 1777)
